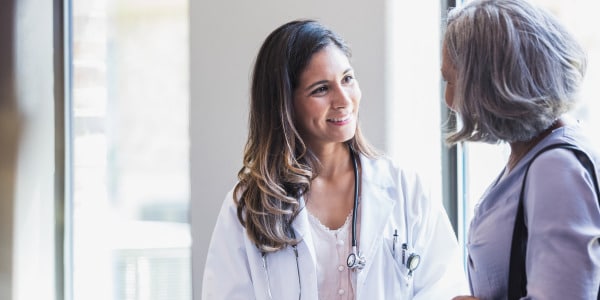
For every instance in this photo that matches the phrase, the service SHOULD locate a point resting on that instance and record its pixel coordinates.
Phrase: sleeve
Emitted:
(227, 271)
(440, 274)
(563, 219)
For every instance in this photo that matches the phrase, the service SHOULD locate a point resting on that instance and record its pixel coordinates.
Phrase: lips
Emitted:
(340, 120)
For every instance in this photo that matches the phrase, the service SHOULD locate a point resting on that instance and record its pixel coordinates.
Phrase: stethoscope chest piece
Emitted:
(413, 262)
(355, 260)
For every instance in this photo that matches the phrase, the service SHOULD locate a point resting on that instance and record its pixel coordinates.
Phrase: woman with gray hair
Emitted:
(512, 73)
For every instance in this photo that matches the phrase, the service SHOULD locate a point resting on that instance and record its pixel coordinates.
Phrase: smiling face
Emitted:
(449, 75)
(326, 99)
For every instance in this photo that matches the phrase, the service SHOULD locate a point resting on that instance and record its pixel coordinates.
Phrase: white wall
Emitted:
(225, 37)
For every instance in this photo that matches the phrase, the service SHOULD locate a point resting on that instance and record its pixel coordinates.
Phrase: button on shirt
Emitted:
(335, 279)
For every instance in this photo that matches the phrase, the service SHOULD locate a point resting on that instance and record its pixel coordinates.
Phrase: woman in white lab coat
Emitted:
(317, 214)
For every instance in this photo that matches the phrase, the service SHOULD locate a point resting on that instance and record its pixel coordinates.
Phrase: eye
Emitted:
(348, 78)
(320, 90)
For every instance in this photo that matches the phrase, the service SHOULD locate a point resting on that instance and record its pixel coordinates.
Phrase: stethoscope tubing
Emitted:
(356, 193)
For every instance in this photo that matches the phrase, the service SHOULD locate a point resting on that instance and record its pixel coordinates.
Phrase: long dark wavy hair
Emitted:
(277, 166)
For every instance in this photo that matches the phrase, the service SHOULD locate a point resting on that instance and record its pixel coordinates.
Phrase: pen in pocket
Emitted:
(394, 244)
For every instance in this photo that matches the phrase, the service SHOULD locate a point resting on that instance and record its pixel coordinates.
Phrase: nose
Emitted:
(342, 97)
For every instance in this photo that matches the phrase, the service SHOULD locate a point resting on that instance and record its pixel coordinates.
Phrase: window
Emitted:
(128, 228)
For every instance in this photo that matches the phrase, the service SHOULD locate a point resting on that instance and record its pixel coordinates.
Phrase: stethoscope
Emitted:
(355, 260)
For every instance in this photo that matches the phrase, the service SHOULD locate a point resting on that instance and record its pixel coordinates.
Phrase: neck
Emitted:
(519, 149)
(334, 160)
(330, 197)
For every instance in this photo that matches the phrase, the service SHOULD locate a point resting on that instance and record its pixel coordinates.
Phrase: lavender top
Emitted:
(563, 219)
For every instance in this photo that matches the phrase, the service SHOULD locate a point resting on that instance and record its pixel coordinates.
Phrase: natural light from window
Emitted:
(130, 236)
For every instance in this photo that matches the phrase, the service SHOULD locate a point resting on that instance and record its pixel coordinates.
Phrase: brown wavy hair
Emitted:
(277, 166)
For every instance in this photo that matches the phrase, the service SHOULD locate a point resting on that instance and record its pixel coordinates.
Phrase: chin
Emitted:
(348, 137)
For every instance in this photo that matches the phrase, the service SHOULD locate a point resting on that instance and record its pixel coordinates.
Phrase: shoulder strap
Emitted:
(517, 277)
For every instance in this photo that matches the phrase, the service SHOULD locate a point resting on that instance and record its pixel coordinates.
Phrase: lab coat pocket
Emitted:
(402, 284)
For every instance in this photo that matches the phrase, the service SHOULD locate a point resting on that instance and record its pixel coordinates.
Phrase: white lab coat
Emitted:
(234, 266)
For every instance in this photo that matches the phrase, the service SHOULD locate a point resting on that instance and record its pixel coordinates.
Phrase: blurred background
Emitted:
(122, 126)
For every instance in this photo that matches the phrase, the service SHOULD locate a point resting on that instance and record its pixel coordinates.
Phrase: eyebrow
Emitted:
(323, 81)
(310, 87)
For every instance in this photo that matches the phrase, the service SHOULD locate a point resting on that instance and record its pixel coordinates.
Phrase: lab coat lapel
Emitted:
(307, 263)
(376, 207)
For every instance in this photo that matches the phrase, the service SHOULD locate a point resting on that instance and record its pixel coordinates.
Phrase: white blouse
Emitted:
(332, 247)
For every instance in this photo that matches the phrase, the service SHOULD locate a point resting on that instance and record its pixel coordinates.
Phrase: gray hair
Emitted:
(518, 70)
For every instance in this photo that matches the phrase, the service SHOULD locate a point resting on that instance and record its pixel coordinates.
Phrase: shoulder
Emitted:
(560, 162)
(385, 169)
(227, 219)
(558, 180)
(228, 233)
(386, 174)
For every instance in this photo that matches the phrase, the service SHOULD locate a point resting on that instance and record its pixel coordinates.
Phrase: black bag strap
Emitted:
(517, 277)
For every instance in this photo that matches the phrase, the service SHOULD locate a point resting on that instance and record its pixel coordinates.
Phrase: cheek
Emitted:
(356, 97)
